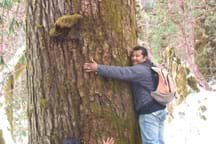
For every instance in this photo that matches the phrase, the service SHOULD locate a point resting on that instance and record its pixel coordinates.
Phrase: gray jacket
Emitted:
(142, 82)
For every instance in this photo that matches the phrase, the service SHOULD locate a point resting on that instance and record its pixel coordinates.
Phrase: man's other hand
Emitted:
(90, 67)
(109, 140)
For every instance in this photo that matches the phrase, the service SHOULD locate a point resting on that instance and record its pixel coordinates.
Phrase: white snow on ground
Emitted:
(4, 124)
(189, 125)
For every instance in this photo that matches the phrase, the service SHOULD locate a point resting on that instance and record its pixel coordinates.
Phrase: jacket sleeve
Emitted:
(128, 73)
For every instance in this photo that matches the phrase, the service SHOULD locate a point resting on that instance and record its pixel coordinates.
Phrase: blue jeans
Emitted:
(152, 127)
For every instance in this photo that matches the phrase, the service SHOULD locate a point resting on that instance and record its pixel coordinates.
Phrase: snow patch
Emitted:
(194, 120)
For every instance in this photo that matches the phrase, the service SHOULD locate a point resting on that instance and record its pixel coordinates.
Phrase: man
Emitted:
(151, 114)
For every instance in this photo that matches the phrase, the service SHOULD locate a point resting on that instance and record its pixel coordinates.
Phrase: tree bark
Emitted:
(63, 101)
(2, 141)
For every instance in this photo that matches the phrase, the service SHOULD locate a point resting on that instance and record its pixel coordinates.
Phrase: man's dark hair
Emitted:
(144, 50)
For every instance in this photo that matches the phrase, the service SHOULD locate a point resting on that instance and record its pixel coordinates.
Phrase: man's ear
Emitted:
(145, 58)
(129, 52)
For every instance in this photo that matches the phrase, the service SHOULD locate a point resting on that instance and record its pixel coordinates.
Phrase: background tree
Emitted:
(180, 34)
(63, 100)
(184, 26)
(12, 76)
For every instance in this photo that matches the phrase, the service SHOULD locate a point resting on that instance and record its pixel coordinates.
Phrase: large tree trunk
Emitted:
(63, 100)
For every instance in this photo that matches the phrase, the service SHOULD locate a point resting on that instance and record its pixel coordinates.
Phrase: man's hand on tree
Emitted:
(90, 67)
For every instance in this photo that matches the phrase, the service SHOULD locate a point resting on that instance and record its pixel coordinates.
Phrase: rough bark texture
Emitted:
(2, 141)
(64, 101)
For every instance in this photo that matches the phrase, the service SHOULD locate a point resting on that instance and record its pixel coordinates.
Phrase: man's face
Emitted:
(137, 57)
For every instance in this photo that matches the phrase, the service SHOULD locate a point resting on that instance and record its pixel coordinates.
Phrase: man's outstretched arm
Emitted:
(129, 73)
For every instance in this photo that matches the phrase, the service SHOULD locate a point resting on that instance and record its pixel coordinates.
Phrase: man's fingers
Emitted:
(92, 60)
(110, 139)
(88, 70)
(90, 67)
(87, 66)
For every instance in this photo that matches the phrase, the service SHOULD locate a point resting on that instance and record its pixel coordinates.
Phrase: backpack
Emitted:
(165, 89)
